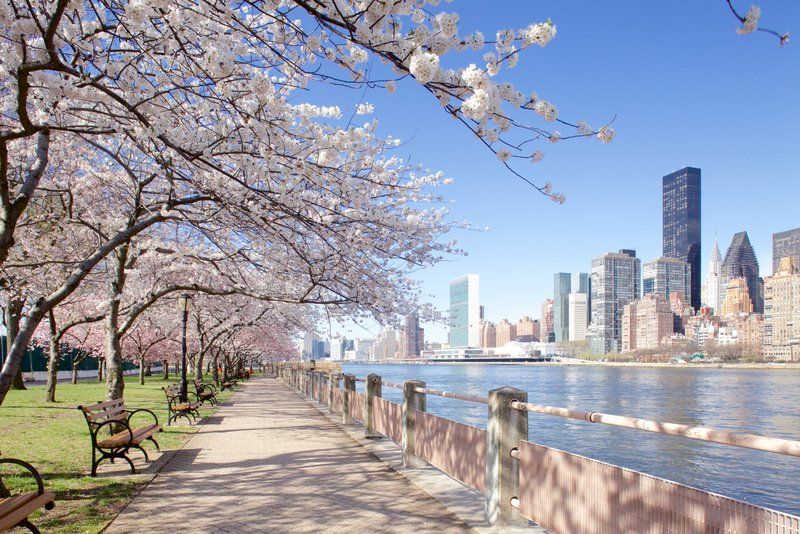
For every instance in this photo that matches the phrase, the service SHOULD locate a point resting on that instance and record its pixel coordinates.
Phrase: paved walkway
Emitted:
(269, 462)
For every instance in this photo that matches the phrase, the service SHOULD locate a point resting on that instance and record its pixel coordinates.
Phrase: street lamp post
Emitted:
(185, 304)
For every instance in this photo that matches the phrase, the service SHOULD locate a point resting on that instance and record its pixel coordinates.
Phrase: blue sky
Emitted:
(685, 90)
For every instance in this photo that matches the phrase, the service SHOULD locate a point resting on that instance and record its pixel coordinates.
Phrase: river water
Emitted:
(746, 400)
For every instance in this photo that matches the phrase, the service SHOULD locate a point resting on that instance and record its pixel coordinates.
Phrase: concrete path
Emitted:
(270, 462)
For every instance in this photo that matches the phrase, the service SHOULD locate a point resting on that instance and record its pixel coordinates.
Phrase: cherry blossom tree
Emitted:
(151, 340)
(137, 120)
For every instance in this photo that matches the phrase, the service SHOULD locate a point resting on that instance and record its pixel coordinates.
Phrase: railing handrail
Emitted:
(737, 439)
(749, 441)
(449, 395)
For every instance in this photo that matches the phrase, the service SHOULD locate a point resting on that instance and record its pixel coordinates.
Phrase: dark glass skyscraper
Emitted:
(785, 245)
(681, 227)
(741, 262)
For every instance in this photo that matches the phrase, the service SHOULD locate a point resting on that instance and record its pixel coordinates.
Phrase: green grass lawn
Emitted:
(54, 438)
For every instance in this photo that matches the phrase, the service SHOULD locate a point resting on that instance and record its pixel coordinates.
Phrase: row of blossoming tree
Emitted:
(151, 148)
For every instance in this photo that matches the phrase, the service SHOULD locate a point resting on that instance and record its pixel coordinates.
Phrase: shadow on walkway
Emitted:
(273, 463)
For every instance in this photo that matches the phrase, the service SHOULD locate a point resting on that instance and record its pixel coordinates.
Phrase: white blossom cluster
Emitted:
(750, 23)
(158, 119)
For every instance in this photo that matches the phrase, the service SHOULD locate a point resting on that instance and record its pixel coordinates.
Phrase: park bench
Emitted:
(14, 511)
(228, 384)
(178, 407)
(122, 437)
(205, 392)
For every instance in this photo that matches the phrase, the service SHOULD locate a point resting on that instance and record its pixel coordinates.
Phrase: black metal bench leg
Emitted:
(146, 458)
(130, 462)
(96, 464)
(30, 526)
(151, 438)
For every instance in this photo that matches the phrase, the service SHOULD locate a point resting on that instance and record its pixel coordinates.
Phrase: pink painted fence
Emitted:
(387, 418)
(567, 493)
(356, 406)
(337, 400)
(457, 449)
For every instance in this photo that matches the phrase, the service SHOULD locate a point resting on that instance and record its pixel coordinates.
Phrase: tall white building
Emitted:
(337, 349)
(465, 311)
(578, 307)
(714, 290)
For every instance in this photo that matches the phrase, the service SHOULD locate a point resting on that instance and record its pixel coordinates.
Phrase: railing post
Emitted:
(333, 382)
(308, 384)
(314, 385)
(413, 402)
(505, 429)
(320, 384)
(374, 389)
(349, 385)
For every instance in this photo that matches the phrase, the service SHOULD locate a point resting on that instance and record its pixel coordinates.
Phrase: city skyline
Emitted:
(614, 191)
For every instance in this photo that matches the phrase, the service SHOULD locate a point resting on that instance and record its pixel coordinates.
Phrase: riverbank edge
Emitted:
(795, 366)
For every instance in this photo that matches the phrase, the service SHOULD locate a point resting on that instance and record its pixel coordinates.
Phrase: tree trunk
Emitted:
(52, 360)
(74, 373)
(115, 385)
(148, 371)
(215, 370)
(165, 369)
(13, 311)
(141, 371)
(100, 364)
(198, 366)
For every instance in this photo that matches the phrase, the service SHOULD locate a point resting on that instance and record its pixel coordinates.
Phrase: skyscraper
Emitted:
(582, 283)
(546, 324)
(411, 344)
(615, 283)
(465, 311)
(785, 245)
(741, 262)
(562, 287)
(664, 276)
(578, 304)
(714, 288)
(681, 223)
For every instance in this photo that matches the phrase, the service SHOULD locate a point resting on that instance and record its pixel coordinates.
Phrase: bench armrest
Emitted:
(131, 412)
(29, 467)
(209, 387)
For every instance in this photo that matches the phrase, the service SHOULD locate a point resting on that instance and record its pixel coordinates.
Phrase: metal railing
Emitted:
(539, 483)
(750, 441)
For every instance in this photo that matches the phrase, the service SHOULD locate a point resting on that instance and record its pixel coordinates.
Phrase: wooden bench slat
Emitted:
(101, 405)
(10, 504)
(123, 438)
(23, 507)
(115, 416)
